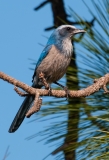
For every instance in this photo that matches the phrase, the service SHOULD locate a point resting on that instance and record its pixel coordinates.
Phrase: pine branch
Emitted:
(96, 86)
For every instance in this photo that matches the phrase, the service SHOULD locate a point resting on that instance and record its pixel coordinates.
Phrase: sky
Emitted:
(21, 33)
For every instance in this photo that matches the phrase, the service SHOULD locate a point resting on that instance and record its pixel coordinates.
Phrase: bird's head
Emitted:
(68, 31)
(62, 33)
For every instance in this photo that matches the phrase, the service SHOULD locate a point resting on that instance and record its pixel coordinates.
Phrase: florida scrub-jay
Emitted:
(53, 63)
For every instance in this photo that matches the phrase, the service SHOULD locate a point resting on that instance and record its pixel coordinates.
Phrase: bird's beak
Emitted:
(78, 31)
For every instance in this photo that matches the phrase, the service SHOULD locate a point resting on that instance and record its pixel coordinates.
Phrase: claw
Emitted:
(65, 89)
(49, 90)
(67, 92)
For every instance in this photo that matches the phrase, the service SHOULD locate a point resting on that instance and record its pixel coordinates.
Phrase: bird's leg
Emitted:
(64, 88)
(43, 80)
(48, 87)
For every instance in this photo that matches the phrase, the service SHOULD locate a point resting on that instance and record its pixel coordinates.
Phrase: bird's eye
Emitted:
(68, 28)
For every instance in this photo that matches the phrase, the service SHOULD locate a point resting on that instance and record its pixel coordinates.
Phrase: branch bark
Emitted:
(96, 86)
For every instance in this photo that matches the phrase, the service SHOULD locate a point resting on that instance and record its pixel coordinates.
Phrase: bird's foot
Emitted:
(49, 89)
(66, 91)
(64, 88)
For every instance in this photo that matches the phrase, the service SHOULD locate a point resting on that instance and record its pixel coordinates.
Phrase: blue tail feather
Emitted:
(22, 112)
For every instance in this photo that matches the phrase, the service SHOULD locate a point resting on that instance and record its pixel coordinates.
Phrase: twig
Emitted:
(20, 93)
(36, 107)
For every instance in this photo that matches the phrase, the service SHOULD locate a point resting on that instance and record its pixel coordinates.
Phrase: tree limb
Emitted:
(96, 86)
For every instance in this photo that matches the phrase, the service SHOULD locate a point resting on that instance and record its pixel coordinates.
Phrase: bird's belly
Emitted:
(54, 67)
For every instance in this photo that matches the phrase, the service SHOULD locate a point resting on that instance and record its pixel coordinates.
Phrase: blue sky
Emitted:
(21, 31)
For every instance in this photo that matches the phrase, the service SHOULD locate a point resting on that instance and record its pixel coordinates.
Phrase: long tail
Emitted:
(21, 113)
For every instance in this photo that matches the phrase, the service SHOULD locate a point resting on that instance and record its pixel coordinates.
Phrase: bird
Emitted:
(53, 63)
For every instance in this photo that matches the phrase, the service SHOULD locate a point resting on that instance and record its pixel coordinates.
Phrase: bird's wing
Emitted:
(42, 56)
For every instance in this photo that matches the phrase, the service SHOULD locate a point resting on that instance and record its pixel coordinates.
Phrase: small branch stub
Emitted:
(37, 102)
(35, 108)
(20, 93)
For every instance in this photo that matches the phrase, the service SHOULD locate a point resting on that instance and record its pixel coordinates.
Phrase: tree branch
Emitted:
(42, 4)
(96, 86)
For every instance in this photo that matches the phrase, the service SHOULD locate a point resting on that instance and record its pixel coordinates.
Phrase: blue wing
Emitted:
(42, 56)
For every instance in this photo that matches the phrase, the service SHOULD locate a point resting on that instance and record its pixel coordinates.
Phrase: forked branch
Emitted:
(96, 86)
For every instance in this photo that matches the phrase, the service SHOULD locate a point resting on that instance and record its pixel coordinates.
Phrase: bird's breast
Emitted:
(54, 65)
